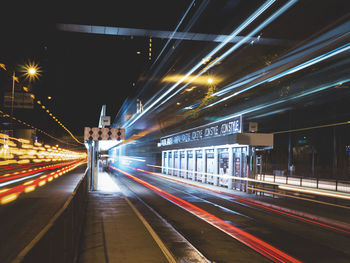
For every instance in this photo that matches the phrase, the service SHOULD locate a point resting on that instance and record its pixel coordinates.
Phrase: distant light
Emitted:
(193, 79)
(32, 71)
(178, 103)
(49, 97)
(210, 80)
(190, 89)
(106, 184)
(8, 198)
(138, 52)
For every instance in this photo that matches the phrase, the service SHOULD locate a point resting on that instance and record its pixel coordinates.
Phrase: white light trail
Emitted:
(177, 27)
(289, 71)
(239, 44)
(20, 179)
(255, 15)
(270, 104)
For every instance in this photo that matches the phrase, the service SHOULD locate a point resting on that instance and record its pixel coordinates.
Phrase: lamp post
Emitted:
(31, 72)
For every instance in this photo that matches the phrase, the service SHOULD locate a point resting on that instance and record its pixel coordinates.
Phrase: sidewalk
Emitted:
(113, 232)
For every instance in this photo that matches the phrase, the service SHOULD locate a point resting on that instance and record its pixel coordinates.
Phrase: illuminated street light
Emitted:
(31, 71)
(210, 80)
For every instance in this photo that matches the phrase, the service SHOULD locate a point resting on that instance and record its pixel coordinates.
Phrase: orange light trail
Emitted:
(12, 193)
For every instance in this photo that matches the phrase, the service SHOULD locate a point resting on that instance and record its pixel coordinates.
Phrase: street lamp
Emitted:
(31, 71)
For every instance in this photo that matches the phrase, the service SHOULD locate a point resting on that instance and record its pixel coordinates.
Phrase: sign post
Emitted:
(92, 137)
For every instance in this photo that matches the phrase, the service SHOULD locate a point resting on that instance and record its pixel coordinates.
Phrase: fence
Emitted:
(334, 185)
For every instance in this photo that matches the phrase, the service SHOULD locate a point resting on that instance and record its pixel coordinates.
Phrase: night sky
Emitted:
(80, 72)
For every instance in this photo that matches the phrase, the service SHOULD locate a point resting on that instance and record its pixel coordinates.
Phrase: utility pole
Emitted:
(12, 100)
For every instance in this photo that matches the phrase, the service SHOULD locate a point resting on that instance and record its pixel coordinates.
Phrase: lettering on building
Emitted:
(223, 128)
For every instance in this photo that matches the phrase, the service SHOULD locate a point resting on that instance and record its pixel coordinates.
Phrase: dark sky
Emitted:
(81, 72)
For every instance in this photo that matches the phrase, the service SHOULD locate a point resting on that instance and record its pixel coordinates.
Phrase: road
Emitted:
(234, 228)
(22, 219)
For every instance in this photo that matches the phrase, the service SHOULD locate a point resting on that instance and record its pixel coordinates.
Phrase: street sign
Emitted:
(106, 120)
(21, 100)
(98, 134)
(253, 126)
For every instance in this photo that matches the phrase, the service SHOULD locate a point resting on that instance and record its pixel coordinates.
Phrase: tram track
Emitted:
(258, 221)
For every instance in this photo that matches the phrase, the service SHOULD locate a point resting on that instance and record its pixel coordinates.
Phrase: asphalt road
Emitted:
(21, 220)
(301, 240)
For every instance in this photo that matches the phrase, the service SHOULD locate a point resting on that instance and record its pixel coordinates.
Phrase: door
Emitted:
(176, 163)
(190, 165)
(210, 169)
(164, 163)
(223, 159)
(183, 164)
(199, 165)
(170, 163)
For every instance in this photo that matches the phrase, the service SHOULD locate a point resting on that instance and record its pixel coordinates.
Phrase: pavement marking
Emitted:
(169, 256)
(21, 255)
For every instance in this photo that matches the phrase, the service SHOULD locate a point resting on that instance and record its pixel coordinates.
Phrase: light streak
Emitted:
(246, 179)
(296, 197)
(175, 30)
(313, 61)
(239, 43)
(277, 102)
(41, 183)
(290, 71)
(256, 30)
(255, 15)
(28, 182)
(273, 208)
(138, 159)
(20, 179)
(8, 198)
(32, 127)
(29, 189)
(314, 191)
(3, 190)
(236, 85)
(247, 239)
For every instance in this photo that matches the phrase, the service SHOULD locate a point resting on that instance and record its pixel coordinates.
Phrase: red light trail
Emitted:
(249, 240)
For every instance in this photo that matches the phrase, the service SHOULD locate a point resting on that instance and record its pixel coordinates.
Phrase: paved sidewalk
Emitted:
(114, 233)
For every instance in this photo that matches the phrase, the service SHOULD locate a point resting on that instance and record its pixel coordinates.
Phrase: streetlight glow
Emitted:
(31, 71)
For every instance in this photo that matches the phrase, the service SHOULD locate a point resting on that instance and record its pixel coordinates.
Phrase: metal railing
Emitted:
(325, 184)
(58, 241)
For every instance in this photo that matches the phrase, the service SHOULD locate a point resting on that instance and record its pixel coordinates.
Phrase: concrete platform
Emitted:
(113, 231)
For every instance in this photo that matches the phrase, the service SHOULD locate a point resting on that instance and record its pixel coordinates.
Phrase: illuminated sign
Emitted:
(223, 128)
